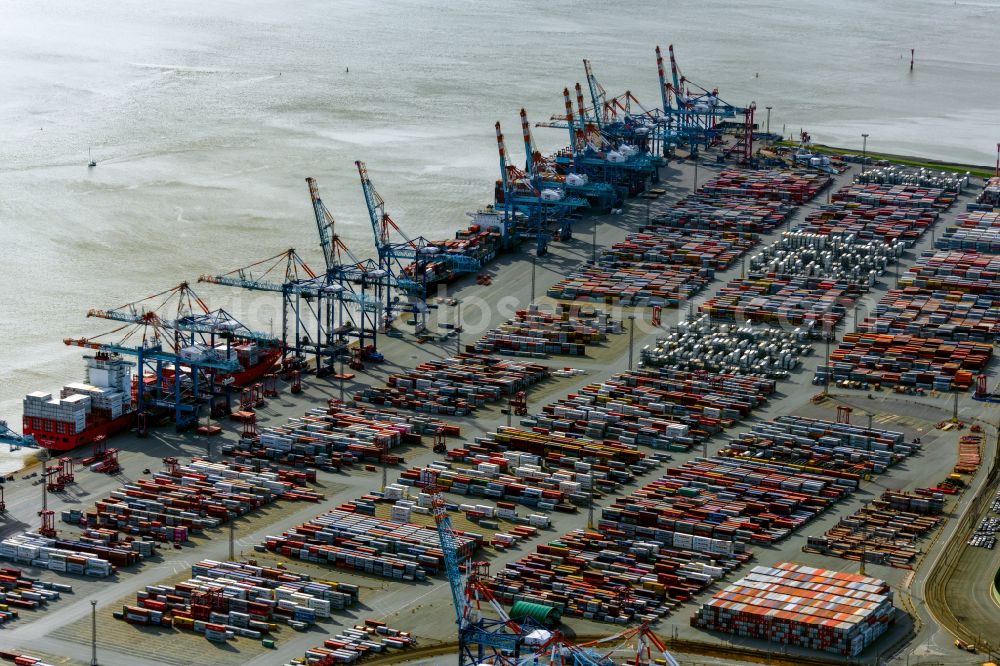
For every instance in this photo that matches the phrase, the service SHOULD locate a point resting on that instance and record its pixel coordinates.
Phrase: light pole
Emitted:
(695, 173)
(864, 151)
(631, 338)
(590, 502)
(593, 245)
(869, 433)
(43, 455)
(532, 301)
(768, 124)
(829, 370)
(232, 539)
(458, 327)
(93, 632)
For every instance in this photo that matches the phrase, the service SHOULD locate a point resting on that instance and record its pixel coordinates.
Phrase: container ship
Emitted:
(479, 242)
(104, 405)
(255, 360)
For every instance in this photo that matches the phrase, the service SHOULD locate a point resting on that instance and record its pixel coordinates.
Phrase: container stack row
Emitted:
(354, 645)
(832, 257)
(773, 185)
(456, 385)
(936, 314)
(591, 575)
(632, 284)
(720, 213)
(555, 446)
(905, 360)
(788, 300)
(62, 556)
(900, 175)
(246, 600)
(979, 231)
(585, 414)
(816, 443)
(740, 350)
(935, 332)
(681, 247)
(347, 539)
(792, 604)
(896, 208)
(882, 532)
(715, 400)
(970, 448)
(187, 499)
(606, 476)
(18, 590)
(341, 434)
(671, 538)
(892, 223)
(889, 194)
(525, 483)
(486, 515)
(990, 196)
(730, 500)
(536, 334)
(677, 254)
(965, 272)
(661, 408)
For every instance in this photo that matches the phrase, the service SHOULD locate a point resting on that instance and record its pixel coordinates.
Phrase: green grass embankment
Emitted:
(904, 160)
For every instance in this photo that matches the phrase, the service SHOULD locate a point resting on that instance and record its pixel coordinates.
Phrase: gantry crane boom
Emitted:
(597, 92)
(405, 261)
(543, 171)
(694, 114)
(192, 316)
(16, 440)
(328, 240)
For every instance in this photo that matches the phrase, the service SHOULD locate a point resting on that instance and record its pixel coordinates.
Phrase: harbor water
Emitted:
(205, 118)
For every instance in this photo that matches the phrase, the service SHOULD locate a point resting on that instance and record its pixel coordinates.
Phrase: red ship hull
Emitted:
(54, 435)
(47, 432)
(265, 364)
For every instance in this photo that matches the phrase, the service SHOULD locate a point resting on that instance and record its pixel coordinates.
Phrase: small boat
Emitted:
(92, 162)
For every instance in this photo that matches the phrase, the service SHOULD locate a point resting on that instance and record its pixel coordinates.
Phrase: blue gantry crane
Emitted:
(322, 312)
(530, 211)
(411, 264)
(542, 173)
(167, 382)
(189, 353)
(616, 119)
(593, 153)
(480, 640)
(697, 116)
(16, 440)
(192, 321)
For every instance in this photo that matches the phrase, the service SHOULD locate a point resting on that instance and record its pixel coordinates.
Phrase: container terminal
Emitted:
(682, 392)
